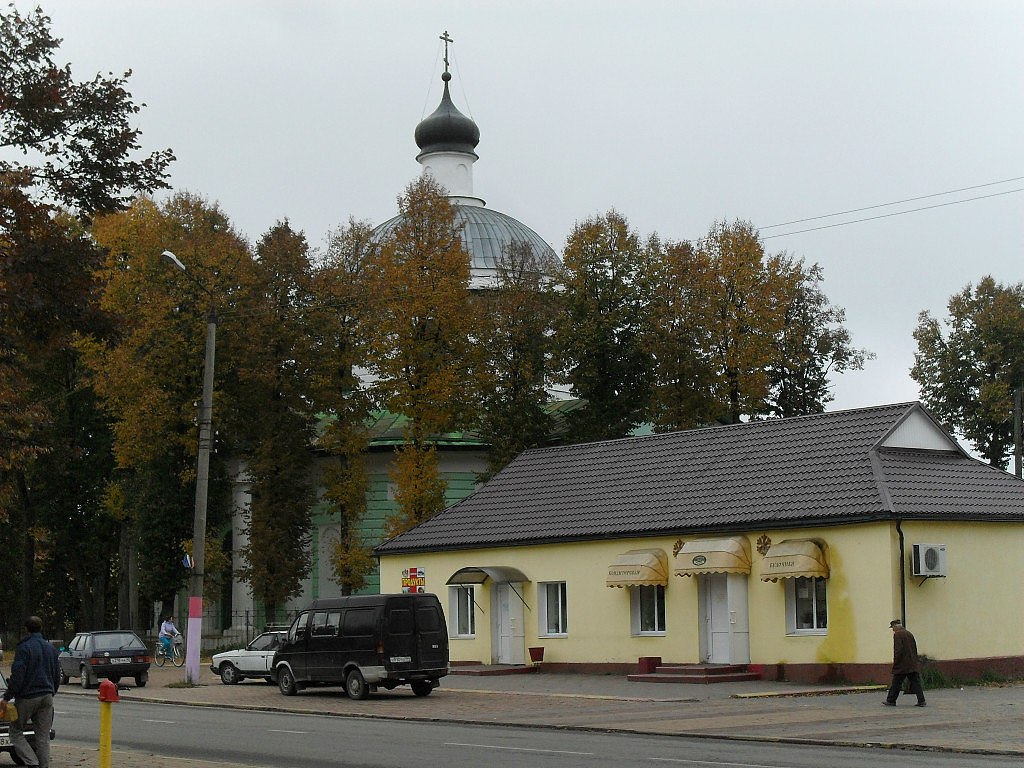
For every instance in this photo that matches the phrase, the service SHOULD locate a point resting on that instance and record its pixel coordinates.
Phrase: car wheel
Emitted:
(422, 687)
(64, 679)
(86, 675)
(355, 685)
(286, 682)
(229, 674)
(141, 679)
(15, 759)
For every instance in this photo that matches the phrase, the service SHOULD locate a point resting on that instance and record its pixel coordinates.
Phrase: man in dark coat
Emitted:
(905, 664)
(35, 678)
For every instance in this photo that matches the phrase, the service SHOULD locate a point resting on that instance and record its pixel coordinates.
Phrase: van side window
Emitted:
(320, 628)
(427, 619)
(358, 621)
(400, 621)
(298, 625)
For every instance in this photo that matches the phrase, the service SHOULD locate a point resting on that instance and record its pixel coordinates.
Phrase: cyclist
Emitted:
(167, 634)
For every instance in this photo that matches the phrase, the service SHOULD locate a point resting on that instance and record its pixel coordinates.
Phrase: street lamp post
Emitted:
(194, 632)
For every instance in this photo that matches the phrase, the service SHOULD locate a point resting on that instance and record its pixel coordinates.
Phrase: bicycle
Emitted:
(176, 656)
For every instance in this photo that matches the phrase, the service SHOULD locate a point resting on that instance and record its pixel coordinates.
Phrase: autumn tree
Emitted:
(813, 344)
(599, 347)
(275, 425)
(54, 441)
(747, 292)
(77, 137)
(149, 375)
(518, 315)
(69, 146)
(969, 365)
(679, 338)
(423, 358)
(339, 323)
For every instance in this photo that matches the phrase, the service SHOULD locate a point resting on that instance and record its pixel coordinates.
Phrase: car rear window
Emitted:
(117, 641)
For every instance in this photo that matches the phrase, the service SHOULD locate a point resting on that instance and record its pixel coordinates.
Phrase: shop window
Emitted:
(553, 608)
(647, 605)
(463, 609)
(806, 606)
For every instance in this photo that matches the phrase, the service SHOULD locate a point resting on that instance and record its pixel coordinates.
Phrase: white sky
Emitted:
(675, 113)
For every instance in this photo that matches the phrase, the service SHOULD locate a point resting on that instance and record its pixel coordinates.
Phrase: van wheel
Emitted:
(286, 682)
(422, 687)
(355, 685)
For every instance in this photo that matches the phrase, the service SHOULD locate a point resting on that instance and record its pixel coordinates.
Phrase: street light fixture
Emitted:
(194, 632)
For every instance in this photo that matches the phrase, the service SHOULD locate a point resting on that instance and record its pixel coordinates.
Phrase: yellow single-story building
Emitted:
(785, 546)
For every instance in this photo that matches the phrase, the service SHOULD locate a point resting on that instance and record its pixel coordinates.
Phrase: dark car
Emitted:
(112, 654)
(5, 731)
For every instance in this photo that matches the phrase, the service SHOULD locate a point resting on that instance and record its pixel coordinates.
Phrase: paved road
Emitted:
(984, 720)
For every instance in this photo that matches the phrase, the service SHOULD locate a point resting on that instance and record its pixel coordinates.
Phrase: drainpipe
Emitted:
(903, 574)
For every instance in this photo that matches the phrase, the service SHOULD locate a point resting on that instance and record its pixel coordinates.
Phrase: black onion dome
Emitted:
(447, 129)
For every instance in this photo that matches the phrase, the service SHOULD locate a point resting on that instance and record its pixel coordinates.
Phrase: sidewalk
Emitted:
(985, 720)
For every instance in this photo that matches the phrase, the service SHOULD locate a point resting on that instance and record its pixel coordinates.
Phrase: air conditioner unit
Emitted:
(928, 560)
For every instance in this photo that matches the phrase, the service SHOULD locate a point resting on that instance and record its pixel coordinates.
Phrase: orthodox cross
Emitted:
(446, 41)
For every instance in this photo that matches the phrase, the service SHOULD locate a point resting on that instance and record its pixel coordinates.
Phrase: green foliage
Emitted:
(517, 319)
(969, 369)
(81, 131)
(54, 440)
(275, 356)
(599, 348)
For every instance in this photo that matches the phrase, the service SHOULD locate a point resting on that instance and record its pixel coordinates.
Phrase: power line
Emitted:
(895, 202)
(889, 215)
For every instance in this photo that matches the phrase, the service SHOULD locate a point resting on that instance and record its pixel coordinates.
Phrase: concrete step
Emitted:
(700, 669)
(732, 677)
(696, 674)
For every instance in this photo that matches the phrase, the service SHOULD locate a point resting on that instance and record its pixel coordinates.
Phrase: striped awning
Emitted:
(639, 568)
(730, 555)
(793, 559)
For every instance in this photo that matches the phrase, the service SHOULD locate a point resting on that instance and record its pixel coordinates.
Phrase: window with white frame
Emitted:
(553, 614)
(647, 606)
(806, 606)
(463, 609)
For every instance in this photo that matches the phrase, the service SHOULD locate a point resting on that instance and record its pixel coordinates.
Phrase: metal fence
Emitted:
(227, 630)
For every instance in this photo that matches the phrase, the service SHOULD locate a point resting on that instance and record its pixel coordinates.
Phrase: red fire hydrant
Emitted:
(107, 695)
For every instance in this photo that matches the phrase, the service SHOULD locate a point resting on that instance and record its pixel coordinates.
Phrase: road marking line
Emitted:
(710, 762)
(518, 749)
(275, 730)
(166, 722)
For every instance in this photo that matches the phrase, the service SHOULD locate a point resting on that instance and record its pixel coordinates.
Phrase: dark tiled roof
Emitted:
(780, 473)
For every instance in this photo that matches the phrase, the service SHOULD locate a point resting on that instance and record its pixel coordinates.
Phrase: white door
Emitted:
(722, 605)
(507, 637)
(713, 606)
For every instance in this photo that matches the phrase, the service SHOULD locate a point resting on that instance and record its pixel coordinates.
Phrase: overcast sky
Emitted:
(674, 113)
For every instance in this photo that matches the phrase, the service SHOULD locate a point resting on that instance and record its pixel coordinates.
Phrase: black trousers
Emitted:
(897, 686)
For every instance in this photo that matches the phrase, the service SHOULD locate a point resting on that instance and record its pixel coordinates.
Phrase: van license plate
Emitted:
(5, 741)
(401, 659)
(121, 660)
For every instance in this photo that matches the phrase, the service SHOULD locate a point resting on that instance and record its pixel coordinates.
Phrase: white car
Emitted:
(255, 660)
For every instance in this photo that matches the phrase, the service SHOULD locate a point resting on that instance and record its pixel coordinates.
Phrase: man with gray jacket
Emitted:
(35, 678)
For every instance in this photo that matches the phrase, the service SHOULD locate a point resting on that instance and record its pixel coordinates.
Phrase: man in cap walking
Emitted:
(905, 664)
